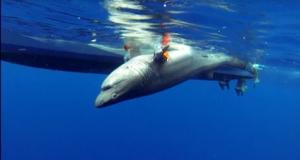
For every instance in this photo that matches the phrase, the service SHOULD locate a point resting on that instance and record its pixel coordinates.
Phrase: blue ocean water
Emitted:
(50, 114)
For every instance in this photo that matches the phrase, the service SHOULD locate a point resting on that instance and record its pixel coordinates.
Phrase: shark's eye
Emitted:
(114, 95)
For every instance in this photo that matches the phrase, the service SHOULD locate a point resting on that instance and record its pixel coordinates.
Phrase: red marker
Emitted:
(126, 47)
(165, 39)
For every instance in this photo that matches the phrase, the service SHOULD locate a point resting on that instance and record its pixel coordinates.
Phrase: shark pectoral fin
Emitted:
(241, 87)
(224, 84)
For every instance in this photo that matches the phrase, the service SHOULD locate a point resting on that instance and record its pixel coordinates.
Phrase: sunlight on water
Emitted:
(258, 33)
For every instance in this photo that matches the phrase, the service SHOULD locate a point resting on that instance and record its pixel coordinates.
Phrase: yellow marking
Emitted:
(166, 55)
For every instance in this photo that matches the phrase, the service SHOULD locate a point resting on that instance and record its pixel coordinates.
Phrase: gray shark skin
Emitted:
(142, 76)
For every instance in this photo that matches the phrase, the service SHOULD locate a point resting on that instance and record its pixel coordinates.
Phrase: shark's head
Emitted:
(123, 83)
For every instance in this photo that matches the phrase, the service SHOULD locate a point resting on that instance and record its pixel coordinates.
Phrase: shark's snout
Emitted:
(122, 84)
(106, 98)
(102, 100)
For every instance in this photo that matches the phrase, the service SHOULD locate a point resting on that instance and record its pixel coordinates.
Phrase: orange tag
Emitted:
(165, 39)
(166, 56)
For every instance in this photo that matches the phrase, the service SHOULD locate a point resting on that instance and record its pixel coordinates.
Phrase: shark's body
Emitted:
(139, 76)
(142, 75)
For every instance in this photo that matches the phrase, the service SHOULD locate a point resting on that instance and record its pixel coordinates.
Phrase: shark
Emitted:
(139, 68)
(141, 74)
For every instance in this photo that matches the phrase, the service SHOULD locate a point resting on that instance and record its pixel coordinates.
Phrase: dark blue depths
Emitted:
(50, 115)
